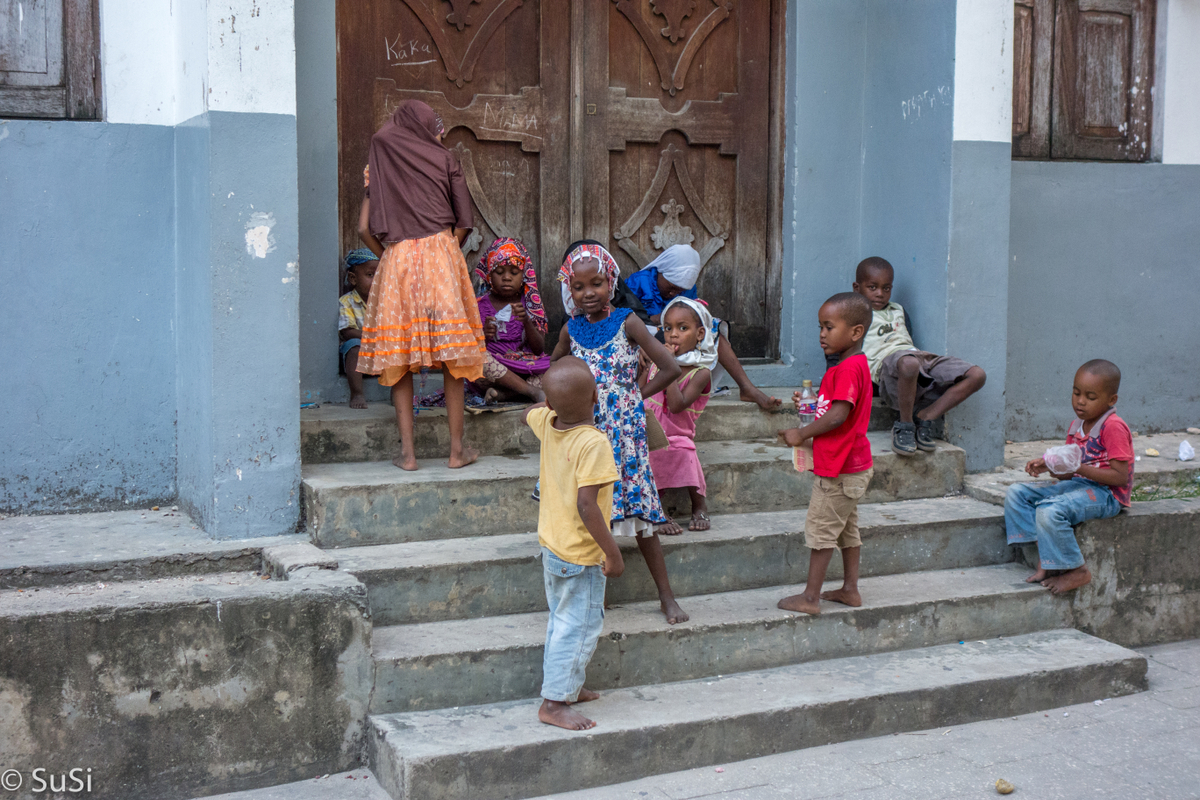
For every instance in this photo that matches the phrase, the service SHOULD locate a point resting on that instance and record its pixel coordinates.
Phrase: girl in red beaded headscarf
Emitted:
(514, 323)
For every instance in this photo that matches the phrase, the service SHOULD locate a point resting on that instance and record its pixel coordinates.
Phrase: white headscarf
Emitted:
(705, 354)
(679, 264)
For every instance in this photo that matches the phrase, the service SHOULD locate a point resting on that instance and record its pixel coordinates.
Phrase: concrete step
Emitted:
(502, 751)
(373, 502)
(340, 434)
(1155, 477)
(119, 546)
(492, 659)
(494, 575)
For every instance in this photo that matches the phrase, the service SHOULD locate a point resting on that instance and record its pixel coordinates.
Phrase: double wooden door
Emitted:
(639, 123)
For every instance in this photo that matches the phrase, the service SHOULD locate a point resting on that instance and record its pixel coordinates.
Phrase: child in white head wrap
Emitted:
(688, 327)
(679, 264)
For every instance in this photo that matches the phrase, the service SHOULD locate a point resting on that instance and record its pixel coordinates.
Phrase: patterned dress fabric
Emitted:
(613, 360)
(679, 465)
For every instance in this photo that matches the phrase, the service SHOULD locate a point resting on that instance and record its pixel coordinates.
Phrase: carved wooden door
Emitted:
(497, 71)
(640, 123)
(681, 140)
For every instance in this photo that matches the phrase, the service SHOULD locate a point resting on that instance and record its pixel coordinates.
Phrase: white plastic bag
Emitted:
(504, 314)
(1186, 451)
(1064, 459)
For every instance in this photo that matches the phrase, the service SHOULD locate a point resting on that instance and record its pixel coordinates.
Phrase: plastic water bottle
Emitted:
(808, 404)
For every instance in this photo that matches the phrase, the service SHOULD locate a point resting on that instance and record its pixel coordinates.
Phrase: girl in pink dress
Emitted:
(688, 330)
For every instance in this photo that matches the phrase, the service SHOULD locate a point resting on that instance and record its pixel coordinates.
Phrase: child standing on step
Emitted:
(1048, 513)
(687, 328)
(842, 465)
(578, 551)
(607, 339)
(421, 313)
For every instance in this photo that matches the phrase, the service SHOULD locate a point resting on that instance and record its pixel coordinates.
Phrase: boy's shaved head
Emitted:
(570, 389)
(872, 264)
(1106, 371)
(852, 307)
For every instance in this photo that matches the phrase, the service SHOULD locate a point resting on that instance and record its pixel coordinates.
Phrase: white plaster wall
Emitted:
(983, 40)
(252, 56)
(1180, 93)
(137, 46)
(166, 61)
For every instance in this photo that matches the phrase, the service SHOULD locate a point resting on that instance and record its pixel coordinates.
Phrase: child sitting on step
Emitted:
(687, 328)
(578, 551)
(908, 378)
(1048, 513)
(361, 265)
(608, 339)
(514, 323)
(842, 465)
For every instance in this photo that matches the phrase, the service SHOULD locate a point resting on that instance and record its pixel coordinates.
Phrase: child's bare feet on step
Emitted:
(1069, 581)
(1038, 576)
(669, 528)
(586, 696)
(490, 396)
(699, 521)
(405, 461)
(358, 401)
(672, 611)
(467, 455)
(800, 604)
(847, 597)
(553, 712)
(756, 395)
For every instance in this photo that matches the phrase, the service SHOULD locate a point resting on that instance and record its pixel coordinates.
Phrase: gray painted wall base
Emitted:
(1103, 266)
(239, 419)
(86, 258)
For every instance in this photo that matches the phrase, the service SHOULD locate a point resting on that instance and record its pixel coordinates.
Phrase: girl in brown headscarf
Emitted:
(422, 311)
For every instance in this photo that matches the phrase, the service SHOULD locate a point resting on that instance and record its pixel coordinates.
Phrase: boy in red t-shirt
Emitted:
(1048, 513)
(841, 454)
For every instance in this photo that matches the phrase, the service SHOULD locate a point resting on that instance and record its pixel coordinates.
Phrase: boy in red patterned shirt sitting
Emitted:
(1048, 513)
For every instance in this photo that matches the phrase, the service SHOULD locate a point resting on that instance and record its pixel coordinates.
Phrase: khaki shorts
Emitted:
(937, 374)
(832, 519)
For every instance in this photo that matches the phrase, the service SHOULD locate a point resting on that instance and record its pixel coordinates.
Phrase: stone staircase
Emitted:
(949, 632)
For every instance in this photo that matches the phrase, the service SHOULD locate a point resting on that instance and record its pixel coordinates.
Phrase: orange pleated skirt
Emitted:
(422, 313)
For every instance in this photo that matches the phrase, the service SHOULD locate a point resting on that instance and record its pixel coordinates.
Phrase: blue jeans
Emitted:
(1048, 515)
(575, 595)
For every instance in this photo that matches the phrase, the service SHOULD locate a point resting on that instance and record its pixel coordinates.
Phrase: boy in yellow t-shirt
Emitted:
(578, 550)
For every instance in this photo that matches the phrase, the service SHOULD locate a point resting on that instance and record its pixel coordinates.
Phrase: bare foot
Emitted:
(489, 397)
(358, 401)
(408, 462)
(586, 696)
(800, 603)
(469, 455)
(847, 597)
(669, 528)
(672, 611)
(756, 395)
(553, 712)
(1069, 581)
(1038, 576)
(699, 522)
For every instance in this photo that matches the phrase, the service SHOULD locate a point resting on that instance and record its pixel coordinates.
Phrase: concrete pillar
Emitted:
(237, 274)
(980, 182)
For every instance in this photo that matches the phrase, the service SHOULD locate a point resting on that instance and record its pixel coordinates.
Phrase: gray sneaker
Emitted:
(904, 439)
(925, 436)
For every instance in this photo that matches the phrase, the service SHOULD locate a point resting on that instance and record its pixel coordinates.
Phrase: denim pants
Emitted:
(1048, 514)
(575, 595)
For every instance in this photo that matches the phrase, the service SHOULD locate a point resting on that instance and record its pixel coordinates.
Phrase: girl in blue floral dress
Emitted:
(608, 339)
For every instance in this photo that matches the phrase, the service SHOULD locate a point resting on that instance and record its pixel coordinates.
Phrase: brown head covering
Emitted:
(417, 186)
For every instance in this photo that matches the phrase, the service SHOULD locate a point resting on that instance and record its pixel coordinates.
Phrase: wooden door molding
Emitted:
(491, 117)
(671, 231)
(643, 119)
(674, 11)
(461, 70)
